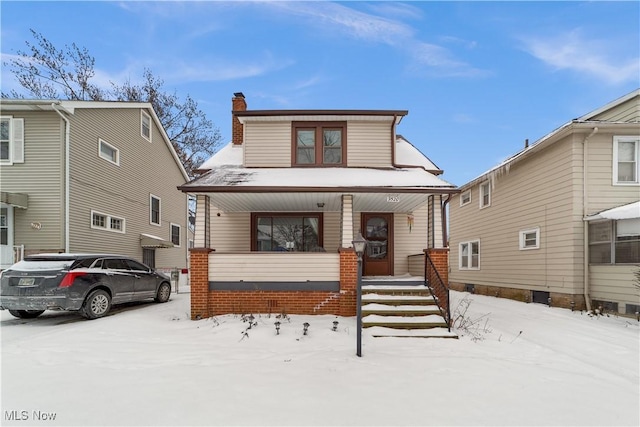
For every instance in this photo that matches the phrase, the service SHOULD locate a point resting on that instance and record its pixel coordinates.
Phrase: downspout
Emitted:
(443, 213)
(585, 224)
(66, 176)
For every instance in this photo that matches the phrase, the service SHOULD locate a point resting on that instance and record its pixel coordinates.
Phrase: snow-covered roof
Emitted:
(629, 211)
(237, 178)
(230, 155)
(408, 155)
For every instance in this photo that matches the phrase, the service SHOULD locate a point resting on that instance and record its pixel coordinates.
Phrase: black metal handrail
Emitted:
(438, 289)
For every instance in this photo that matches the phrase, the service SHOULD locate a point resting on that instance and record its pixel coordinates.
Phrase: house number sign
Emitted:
(393, 199)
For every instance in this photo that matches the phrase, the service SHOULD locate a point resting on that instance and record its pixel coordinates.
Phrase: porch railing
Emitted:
(18, 253)
(438, 289)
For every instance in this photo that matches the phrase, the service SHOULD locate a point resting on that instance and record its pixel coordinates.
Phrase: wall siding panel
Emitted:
(267, 144)
(369, 144)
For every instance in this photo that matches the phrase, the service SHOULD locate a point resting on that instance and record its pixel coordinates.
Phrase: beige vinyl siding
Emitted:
(331, 224)
(200, 224)
(41, 178)
(408, 241)
(267, 144)
(614, 283)
(369, 144)
(602, 193)
(537, 192)
(124, 190)
(627, 112)
(231, 231)
(285, 267)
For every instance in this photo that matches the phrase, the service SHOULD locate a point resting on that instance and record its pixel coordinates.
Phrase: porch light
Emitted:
(277, 327)
(335, 325)
(320, 205)
(305, 326)
(359, 244)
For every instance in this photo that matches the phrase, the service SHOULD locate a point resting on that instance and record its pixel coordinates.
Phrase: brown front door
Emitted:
(377, 228)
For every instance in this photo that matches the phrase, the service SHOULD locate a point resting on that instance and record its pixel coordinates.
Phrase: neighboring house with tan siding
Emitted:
(559, 221)
(84, 176)
(279, 206)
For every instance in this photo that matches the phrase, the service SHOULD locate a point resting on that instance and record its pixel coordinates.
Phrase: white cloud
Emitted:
(574, 52)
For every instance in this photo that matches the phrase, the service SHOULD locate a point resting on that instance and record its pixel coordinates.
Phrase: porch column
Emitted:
(440, 258)
(199, 281)
(348, 281)
(346, 231)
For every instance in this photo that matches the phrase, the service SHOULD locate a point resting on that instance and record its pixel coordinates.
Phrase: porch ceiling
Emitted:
(309, 202)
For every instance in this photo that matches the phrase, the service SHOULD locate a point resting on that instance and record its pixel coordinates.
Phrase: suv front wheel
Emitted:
(97, 304)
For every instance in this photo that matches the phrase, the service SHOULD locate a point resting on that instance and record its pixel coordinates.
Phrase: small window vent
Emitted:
(540, 297)
(605, 306)
(470, 288)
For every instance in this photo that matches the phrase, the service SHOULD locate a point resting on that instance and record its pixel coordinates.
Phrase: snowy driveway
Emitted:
(149, 365)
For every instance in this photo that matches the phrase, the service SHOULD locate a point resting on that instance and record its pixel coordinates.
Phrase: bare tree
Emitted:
(47, 72)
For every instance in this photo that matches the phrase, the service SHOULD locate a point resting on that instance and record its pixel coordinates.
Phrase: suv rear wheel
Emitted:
(97, 304)
(26, 314)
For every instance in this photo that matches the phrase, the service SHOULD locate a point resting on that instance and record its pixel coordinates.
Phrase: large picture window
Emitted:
(286, 232)
(319, 143)
(614, 242)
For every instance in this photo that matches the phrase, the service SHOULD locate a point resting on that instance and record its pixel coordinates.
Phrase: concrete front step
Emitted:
(404, 322)
(399, 310)
(382, 332)
(395, 289)
(398, 299)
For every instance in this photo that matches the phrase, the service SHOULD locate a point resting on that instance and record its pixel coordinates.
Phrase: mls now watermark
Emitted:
(17, 415)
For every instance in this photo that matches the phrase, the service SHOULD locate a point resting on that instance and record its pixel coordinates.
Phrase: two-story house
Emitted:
(83, 176)
(558, 222)
(279, 207)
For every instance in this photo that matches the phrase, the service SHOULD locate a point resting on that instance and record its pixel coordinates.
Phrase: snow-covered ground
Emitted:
(148, 364)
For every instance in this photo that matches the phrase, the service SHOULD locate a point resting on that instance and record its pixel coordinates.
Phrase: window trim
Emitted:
(107, 226)
(100, 154)
(151, 197)
(462, 203)
(522, 240)
(177, 245)
(16, 141)
(469, 256)
(144, 115)
(319, 148)
(256, 215)
(486, 184)
(625, 138)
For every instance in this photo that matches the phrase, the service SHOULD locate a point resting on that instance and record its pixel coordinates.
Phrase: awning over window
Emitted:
(15, 199)
(632, 210)
(149, 241)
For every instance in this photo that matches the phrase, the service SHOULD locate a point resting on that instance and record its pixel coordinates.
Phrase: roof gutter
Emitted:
(67, 150)
(585, 226)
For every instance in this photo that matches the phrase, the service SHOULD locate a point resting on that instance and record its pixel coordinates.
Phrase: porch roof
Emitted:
(238, 179)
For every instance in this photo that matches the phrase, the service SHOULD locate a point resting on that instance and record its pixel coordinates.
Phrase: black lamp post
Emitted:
(359, 244)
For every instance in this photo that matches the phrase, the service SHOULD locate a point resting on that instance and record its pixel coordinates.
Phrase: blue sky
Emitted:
(478, 78)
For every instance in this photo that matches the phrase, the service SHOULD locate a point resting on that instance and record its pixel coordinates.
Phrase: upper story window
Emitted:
(485, 194)
(626, 160)
(154, 210)
(465, 198)
(108, 152)
(175, 234)
(11, 140)
(145, 125)
(319, 143)
(107, 222)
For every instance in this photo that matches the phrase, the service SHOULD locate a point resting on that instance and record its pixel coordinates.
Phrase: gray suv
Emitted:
(87, 283)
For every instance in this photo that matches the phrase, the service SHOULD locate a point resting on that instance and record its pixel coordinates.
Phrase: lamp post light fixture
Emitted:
(277, 327)
(305, 327)
(359, 245)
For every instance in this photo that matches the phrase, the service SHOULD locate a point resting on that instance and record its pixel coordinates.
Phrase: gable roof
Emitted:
(70, 106)
(587, 121)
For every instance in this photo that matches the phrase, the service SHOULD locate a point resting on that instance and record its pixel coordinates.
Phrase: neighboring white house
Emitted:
(559, 221)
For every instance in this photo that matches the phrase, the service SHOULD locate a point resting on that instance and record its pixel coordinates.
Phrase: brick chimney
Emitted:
(238, 104)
